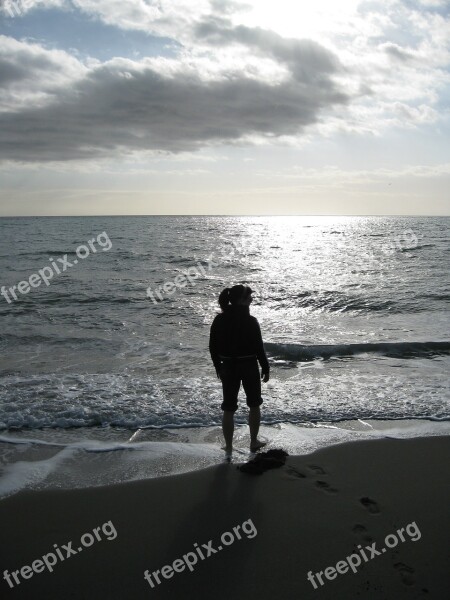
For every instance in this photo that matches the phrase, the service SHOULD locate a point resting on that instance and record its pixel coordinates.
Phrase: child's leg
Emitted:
(252, 385)
(230, 386)
(228, 429)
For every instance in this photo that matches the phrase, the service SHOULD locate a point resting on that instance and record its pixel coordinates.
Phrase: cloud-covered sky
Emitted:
(223, 106)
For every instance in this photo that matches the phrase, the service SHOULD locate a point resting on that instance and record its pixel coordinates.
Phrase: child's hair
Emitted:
(230, 296)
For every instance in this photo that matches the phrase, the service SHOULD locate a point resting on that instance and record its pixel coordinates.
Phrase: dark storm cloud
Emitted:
(125, 106)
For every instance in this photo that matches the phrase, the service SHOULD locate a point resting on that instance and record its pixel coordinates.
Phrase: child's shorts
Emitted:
(233, 371)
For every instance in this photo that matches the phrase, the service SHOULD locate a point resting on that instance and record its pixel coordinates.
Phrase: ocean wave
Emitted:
(332, 301)
(49, 339)
(48, 253)
(418, 247)
(445, 297)
(29, 304)
(300, 352)
(143, 425)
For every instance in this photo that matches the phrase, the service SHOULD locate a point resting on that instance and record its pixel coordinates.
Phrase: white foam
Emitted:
(93, 462)
(25, 474)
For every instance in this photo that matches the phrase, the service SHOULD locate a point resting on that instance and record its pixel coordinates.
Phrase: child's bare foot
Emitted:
(256, 445)
(228, 450)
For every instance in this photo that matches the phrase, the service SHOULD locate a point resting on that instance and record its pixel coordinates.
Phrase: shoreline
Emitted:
(91, 457)
(309, 515)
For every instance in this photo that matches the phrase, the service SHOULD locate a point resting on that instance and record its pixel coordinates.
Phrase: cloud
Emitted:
(31, 75)
(230, 83)
(397, 52)
(332, 176)
(307, 60)
(17, 8)
(419, 114)
(164, 17)
(390, 50)
(433, 3)
(77, 111)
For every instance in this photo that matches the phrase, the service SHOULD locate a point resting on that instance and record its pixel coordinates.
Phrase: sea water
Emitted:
(354, 313)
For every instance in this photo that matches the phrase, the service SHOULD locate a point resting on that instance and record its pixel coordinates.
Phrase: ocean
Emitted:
(104, 344)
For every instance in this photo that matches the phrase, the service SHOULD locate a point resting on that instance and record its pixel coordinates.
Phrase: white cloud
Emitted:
(331, 176)
(243, 75)
(420, 114)
(172, 18)
(32, 75)
(434, 3)
(17, 8)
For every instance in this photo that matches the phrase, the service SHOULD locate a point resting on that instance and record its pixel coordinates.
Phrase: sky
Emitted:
(115, 107)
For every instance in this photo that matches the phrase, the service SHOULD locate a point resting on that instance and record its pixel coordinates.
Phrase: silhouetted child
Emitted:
(236, 347)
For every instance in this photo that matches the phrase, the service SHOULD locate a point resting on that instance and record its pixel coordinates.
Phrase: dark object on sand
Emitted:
(272, 459)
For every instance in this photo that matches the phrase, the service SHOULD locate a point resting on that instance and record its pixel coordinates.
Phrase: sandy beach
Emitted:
(305, 517)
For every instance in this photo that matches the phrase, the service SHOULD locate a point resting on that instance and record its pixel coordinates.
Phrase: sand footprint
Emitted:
(370, 504)
(322, 485)
(325, 487)
(294, 473)
(406, 573)
(362, 532)
(317, 470)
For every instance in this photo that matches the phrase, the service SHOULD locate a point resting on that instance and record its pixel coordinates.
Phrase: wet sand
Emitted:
(305, 517)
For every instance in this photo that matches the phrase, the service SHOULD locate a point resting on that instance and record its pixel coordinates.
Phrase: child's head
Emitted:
(238, 294)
